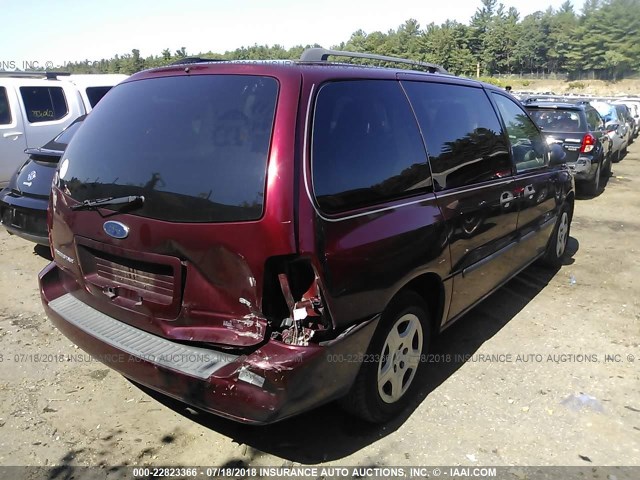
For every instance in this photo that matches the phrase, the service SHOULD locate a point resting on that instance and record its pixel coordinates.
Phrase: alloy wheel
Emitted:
(400, 358)
(563, 229)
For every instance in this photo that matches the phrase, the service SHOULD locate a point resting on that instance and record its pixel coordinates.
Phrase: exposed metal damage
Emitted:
(305, 315)
(250, 325)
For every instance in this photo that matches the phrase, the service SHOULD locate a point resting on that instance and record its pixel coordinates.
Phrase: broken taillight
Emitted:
(588, 143)
(304, 315)
(293, 302)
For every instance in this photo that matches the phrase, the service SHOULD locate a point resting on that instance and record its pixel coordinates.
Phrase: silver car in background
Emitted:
(634, 112)
(617, 128)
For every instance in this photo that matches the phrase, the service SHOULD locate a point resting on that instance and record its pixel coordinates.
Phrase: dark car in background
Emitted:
(23, 203)
(580, 130)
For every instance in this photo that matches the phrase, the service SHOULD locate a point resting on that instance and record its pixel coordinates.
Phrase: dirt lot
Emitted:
(547, 397)
(581, 87)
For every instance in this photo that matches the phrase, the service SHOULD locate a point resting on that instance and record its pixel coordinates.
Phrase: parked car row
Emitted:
(24, 202)
(594, 133)
(34, 108)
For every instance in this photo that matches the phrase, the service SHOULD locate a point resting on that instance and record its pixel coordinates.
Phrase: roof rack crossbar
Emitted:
(321, 55)
(47, 75)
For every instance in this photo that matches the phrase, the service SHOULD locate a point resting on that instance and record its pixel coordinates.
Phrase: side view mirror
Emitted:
(612, 127)
(556, 154)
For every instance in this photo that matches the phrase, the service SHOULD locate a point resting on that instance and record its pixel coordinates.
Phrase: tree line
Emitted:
(602, 41)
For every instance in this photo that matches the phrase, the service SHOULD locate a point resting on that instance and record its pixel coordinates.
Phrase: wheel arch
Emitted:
(570, 200)
(430, 287)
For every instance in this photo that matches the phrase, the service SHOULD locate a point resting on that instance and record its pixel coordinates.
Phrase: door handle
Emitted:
(12, 134)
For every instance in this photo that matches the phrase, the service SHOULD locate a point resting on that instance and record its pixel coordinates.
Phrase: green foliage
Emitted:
(576, 85)
(599, 42)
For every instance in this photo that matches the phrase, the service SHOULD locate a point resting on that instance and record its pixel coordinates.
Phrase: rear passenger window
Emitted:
(5, 112)
(464, 138)
(44, 104)
(594, 119)
(527, 144)
(366, 146)
(95, 94)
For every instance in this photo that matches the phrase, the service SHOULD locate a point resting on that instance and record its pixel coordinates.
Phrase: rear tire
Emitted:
(617, 159)
(593, 187)
(393, 362)
(557, 246)
(607, 169)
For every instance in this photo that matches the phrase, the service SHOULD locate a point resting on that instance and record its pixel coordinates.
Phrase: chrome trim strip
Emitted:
(531, 174)
(487, 259)
(459, 190)
(429, 197)
(305, 152)
(506, 248)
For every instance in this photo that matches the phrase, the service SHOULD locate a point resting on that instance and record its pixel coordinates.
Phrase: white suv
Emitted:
(35, 107)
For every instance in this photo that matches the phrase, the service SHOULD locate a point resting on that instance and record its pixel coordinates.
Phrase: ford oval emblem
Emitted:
(115, 229)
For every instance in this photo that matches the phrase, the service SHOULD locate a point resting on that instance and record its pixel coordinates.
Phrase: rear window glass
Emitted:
(366, 146)
(5, 112)
(44, 104)
(95, 94)
(606, 111)
(195, 147)
(555, 120)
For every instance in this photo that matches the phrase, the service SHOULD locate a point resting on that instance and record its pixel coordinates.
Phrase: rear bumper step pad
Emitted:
(195, 361)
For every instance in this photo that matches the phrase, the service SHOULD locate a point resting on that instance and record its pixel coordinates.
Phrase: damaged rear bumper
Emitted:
(273, 382)
(584, 168)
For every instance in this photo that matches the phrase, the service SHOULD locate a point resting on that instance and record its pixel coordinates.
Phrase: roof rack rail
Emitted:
(321, 55)
(47, 75)
(188, 60)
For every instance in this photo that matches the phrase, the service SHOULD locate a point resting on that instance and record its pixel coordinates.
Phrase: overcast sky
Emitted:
(70, 30)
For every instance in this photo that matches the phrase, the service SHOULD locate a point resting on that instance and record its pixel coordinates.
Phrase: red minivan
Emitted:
(258, 238)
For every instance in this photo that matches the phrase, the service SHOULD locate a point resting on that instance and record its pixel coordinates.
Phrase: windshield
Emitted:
(553, 120)
(195, 147)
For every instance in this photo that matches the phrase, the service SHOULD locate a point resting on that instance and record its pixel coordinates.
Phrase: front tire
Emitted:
(393, 362)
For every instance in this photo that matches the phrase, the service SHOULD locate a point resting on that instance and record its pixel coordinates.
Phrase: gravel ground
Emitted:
(544, 372)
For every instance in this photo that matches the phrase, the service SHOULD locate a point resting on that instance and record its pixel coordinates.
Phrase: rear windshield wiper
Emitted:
(101, 202)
